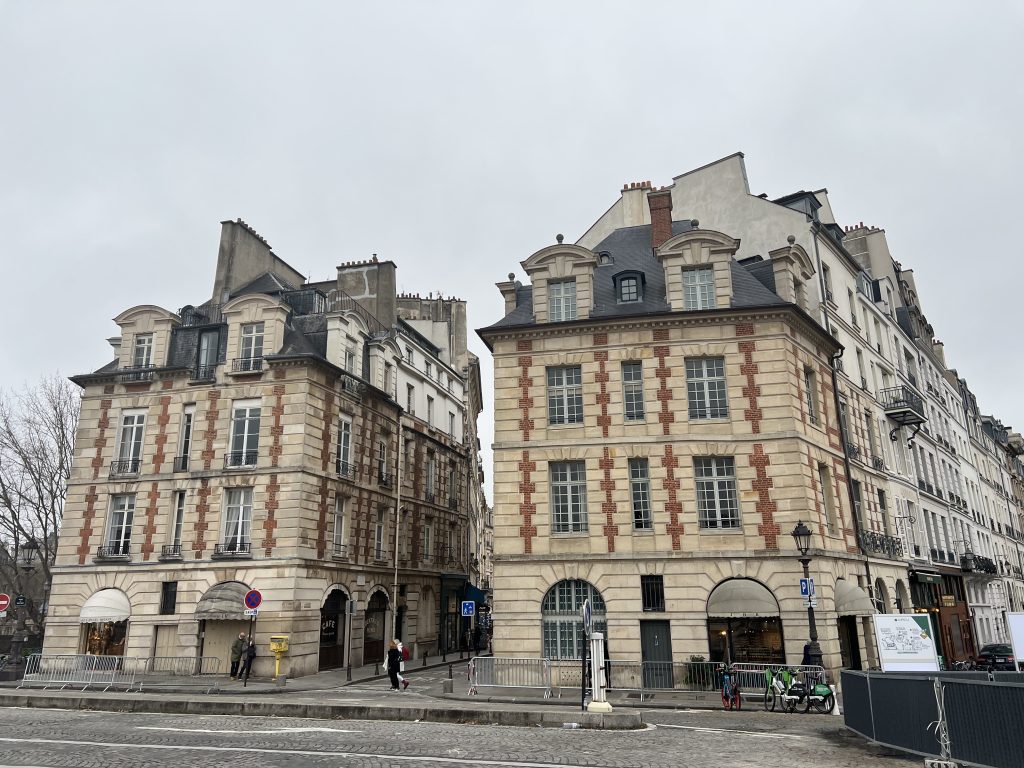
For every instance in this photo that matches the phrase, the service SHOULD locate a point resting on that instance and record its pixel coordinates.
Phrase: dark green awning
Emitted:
(478, 596)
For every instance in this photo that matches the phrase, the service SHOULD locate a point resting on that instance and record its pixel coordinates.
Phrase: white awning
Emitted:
(223, 602)
(738, 598)
(106, 605)
(851, 600)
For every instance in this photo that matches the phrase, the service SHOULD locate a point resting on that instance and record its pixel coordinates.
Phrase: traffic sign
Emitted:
(468, 608)
(811, 603)
(587, 617)
(5, 601)
(251, 612)
(3, 614)
(252, 599)
(806, 588)
(20, 601)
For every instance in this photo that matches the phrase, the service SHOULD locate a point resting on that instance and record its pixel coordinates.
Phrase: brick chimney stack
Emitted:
(660, 203)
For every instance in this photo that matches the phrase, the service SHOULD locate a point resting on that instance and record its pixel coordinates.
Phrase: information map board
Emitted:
(905, 642)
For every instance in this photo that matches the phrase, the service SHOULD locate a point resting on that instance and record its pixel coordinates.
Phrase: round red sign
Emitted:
(253, 598)
(5, 601)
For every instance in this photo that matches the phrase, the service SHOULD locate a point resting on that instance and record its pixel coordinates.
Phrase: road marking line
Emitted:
(303, 752)
(275, 731)
(731, 730)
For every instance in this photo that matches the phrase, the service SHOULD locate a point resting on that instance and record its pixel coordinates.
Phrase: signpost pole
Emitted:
(252, 601)
(252, 624)
(587, 617)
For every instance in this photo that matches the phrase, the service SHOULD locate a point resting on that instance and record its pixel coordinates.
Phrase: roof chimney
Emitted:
(660, 203)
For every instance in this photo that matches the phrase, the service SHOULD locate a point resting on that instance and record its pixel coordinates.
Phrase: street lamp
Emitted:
(802, 537)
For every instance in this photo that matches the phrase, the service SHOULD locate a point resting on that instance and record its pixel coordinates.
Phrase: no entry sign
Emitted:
(5, 601)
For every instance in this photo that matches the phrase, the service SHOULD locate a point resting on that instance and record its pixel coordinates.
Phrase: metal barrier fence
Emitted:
(505, 672)
(900, 710)
(753, 678)
(127, 672)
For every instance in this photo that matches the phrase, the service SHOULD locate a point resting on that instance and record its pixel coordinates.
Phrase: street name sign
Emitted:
(251, 611)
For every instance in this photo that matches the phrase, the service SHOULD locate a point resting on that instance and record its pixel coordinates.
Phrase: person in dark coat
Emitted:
(250, 654)
(237, 648)
(394, 664)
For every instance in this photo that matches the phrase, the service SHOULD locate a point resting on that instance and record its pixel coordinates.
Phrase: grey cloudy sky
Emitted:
(458, 138)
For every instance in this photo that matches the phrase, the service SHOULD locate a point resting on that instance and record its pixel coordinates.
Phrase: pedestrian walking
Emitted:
(393, 664)
(236, 654)
(250, 654)
(404, 652)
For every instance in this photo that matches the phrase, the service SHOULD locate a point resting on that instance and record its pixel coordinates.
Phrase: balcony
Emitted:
(429, 497)
(344, 468)
(853, 450)
(247, 365)
(878, 463)
(903, 406)
(136, 374)
(383, 478)
(240, 459)
(205, 372)
(233, 550)
(207, 314)
(971, 563)
(453, 503)
(125, 467)
(875, 543)
(181, 463)
(116, 551)
(170, 552)
(339, 551)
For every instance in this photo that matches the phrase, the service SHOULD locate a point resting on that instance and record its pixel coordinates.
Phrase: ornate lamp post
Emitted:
(26, 561)
(802, 537)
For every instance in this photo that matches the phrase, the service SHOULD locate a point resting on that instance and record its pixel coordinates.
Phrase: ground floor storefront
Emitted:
(940, 593)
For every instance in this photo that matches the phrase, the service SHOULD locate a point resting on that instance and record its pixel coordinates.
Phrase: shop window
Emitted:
(652, 593)
(168, 598)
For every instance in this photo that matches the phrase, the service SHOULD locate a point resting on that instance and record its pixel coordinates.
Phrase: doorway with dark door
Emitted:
(373, 628)
(849, 644)
(656, 653)
(333, 630)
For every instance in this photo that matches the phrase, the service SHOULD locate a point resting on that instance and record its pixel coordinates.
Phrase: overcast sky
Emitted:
(458, 138)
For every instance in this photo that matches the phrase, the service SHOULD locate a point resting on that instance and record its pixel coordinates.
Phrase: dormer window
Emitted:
(562, 300)
(142, 352)
(252, 341)
(629, 287)
(698, 288)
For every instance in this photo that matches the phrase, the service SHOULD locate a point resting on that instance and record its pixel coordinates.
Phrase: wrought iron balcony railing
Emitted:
(429, 497)
(384, 478)
(114, 551)
(204, 372)
(877, 543)
(170, 552)
(344, 468)
(247, 365)
(233, 549)
(137, 373)
(878, 463)
(240, 459)
(903, 405)
(453, 503)
(853, 450)
(123, 467)
(207, 314)
(972, 563)
(339, 550)
(181, 463)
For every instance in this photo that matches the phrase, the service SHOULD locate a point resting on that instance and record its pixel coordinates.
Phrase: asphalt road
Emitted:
(54, 738)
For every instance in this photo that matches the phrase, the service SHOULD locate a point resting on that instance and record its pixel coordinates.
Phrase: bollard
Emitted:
(376, 668)
(424, 660)
(450, 671)
(835, 709)
(444, 655)
(348, 673)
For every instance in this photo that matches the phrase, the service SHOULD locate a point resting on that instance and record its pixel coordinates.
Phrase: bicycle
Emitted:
(786, 691)
(730, 689)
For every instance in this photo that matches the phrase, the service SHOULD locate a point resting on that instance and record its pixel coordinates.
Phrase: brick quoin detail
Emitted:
(321, 521)
(524, 345)
(661, 334)
(610, 529)
(101, 439)
(161, 438)
(751, 391)
(663, 371)
(270, 524)
(525, 401)
(744, 329)
(213, 398)
(325, 450)
(600, 339)
(603, 398)
(87, 518)
(202, 508)
(150, 528)
(765, 507)
(276, 430)
(527, 508)
(673, 506)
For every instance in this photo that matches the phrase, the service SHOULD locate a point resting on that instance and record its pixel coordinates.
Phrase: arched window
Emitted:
(562, 617)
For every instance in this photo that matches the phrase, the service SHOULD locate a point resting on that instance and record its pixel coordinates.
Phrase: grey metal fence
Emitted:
(900, 710)
(505, 672)
(120, 672)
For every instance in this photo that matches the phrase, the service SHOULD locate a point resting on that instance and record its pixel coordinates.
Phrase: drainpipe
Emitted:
(398, 513)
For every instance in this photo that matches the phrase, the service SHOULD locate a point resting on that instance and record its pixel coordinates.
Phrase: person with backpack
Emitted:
(404, 652)
(250, 654)
(393, 664)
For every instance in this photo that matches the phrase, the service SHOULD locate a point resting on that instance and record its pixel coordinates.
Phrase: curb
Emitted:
(312, 711)
(714, 704)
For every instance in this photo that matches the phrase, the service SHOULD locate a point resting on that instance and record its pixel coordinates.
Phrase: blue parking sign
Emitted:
(806, 587)
(468, 608)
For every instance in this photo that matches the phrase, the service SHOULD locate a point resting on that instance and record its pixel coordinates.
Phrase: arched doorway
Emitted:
(104, 618)
(220, 613)
(744, 623)
(373, 627)
(852, 603)
(881, 596)
(562, 621)
(333, 626)
(902, 597)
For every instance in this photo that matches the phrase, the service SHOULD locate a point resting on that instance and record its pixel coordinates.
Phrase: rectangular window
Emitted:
(344, 461)
(705, 387)
(168, 598)
(350, 359)
(430, 411)
(129, 451)
(883, 510)
(252, 341)
(185, 439)
(699, 288)
(237, 518)
(179, 518)
(245, 436)
(451, 424)
(811, 393)
(652, 593)
(633, 391)
(869, 429)
(640, 494)
(453, 484)
(844, 426)
(568, 497)
(410, 399)
(430, 478)
(629, 289)
(378, 536)
(561, 301)
(382, 461)
(388, 376)
(428, 551)
(340, 538)
(409, 356)
(565, 395)
(717, 504)
(119, 532)
(828, 501)
(209, 352)
(430, 370)
(855, 492)
(142, 352)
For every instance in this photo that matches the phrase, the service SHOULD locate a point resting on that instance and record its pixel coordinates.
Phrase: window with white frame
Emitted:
(811, 394)
(382, 461)
(409, 356)
(698, 288)
(565, 395)
(453, 482)
(629, 288)
(378, 535)
(705, 387)
(633, 391)
(237, 519)
(178, 520)
(252, 341)
(119, 530)
(245, 435)
(430, 411)
(828, 500)
(129, 449)
(340, 535)
(142, 351)
(640, 494)
(350, 357)
(717, 504)
(410, 399)
(451, 424)
(428, 545)
(430, 477)
(344, 450)
(429, 370)
(568, 497)
(562, 621)
(561, 300)
(185, 438)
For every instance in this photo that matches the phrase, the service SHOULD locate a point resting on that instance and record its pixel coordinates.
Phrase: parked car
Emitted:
(997, 656)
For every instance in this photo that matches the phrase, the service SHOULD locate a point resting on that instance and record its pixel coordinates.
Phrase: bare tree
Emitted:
(37, 435)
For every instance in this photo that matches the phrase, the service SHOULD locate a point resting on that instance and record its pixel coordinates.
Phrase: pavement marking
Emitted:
(730, 730)
(273, 732)
(303, 752)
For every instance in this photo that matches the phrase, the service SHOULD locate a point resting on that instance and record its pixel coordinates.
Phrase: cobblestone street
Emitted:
(688, 738)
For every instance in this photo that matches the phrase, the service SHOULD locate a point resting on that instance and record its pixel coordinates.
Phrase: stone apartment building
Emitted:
(314, 441)
(599, 362)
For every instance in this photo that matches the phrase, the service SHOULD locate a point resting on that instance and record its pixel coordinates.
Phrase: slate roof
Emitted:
(630, 250)
(268, 283)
